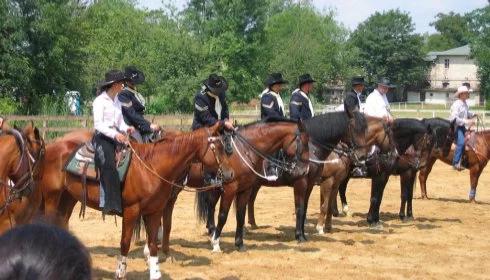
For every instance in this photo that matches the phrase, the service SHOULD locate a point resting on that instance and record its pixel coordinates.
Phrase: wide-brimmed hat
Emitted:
(385, 82)
(275, 78)
(111, 77)
(358, 80)
(216, 84)
(134, 75)
(460, 90)
(305, 78)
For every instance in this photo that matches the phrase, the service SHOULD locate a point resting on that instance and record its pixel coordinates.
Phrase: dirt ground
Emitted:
(449, 238)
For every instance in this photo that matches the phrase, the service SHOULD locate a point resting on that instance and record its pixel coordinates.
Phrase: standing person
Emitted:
(300, 106)
(463, 117)
(210, 107)
(109, 132)
(377, 104)
(271, 104)
(352, 101)
(133, 106)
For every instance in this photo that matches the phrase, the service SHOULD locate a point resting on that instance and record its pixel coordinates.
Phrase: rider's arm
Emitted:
(202, 111)
(134, 119)
(455, 109)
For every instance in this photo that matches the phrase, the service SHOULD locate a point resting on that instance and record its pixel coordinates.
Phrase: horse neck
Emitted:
(11, 155)
(486, 141)
(268, 138)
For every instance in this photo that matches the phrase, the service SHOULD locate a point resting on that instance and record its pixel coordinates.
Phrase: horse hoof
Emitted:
(473, 201)
(424, 196)
(217, 250)
(376, 226)
(301, 239)
(408, 219)
(320, 230)
(253, 226)
(241, 248)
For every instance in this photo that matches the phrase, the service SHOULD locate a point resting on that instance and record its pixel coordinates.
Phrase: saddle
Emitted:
(81, 162)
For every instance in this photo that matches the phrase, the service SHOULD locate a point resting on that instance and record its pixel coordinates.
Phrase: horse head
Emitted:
(356, 135)
(296, 151)
(212, 153)
(35, 145)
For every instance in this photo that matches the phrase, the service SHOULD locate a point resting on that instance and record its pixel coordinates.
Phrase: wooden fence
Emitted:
(54, 126)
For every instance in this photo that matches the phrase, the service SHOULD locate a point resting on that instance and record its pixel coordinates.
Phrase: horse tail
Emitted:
(138, 229)
(203, 205)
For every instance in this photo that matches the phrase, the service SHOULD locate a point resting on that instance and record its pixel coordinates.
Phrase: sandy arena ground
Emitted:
(449, 238)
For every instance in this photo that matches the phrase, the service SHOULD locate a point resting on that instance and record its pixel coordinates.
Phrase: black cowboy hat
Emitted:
(216, 84)
(305, 78)
(134, 75)
(275, 78)
(358, 80)
(113, 76)
(385, 82)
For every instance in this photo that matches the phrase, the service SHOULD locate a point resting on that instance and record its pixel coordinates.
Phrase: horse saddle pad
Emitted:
(81, 162)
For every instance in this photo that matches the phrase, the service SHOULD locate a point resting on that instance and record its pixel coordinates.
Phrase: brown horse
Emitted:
(22, 155)
(320, 165)
(477, 159)
(147, 186)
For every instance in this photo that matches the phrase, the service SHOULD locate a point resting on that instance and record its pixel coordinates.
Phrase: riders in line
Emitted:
(110, 130)
(377, 104)
(133, 106)
(271, 104)
(300, 106)
(464, 119)
(352, 101)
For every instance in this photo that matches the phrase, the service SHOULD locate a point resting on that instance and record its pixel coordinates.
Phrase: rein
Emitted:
(211, 145)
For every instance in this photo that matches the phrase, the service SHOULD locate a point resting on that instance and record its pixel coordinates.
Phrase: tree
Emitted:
(389, 47)
(453, 29)
(301, 40)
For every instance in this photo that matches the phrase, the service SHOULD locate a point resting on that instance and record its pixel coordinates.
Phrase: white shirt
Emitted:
(108, 116)
(460, 111)
(377, 105)
(309, 101)
(217, 104)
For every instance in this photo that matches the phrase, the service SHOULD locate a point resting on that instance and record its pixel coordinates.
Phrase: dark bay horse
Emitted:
(22, 155)
(147, 186)
(324, 132)
(320, 165)
(406, 133)
(477, 157)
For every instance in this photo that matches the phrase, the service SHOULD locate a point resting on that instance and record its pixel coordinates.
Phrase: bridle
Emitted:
(285, 165)
(27, 169)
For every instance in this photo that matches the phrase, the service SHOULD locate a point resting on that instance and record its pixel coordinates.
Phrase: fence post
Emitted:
(433, 114)
(181, 123)
(45, 125)
(85, 122)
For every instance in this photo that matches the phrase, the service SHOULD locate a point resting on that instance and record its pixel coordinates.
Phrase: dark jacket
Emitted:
(204, 113)
(133, 111)
(351, 103)
(299, 107)
(269, 107)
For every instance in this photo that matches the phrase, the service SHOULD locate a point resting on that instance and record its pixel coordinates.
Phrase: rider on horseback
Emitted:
(210, 107)
(300, 107)
(109, 132)
(463, 117)
(133, 106)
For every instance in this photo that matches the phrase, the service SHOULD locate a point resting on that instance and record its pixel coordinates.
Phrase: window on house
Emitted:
(446, 63)
(445, 84)
(466, 85)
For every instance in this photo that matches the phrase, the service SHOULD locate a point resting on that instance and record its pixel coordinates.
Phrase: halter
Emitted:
(210, 140)
(25, 183)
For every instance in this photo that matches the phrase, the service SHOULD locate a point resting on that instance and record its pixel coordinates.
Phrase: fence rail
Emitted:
(54, 126)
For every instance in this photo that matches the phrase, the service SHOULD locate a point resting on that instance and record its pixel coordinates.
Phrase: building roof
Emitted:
(461, 51)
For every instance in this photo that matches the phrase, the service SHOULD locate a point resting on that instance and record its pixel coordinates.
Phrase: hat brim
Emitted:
(216, 90)
(281, 82)
(140, 78)
(108, 83)
(307, 81)
(358, 83)
(387, 85)
(458, 93)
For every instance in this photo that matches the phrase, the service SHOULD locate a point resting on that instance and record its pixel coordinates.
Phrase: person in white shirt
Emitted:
(377, 104)
(110, 130)
(463, 117)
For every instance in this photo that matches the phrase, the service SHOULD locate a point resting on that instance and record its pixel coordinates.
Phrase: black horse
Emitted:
(414, 140)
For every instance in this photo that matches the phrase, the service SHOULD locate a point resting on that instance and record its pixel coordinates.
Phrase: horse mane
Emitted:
(268, 120)
(440, 127)
(18, 140)
(331, 126)
(405, 130)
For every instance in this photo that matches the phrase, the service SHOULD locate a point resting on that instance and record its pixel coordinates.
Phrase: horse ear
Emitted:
(37, 134)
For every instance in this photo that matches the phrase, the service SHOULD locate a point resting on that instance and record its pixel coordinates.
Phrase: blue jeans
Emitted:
(458, 153)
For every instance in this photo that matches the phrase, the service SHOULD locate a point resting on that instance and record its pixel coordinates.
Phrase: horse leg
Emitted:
(407, 180)
(325, 190)
(343, 197)
(413, 175)
(423, 175)
(65, 208)
(130, 216)
(224, 207)
(309, 189)
(214, 196)
(300, 188)
(403, 195)
(378, 184)
(333, 199)
(51, 202)
(152, 225)
(475, 172)
(241, 206)
(251, 207)
(167, 222)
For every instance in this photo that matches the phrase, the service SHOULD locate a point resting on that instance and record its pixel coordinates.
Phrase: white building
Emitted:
(449, 70)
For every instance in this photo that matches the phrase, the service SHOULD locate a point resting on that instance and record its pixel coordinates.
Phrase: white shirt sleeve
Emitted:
(375, 107)
(456, 109)
(99, 124)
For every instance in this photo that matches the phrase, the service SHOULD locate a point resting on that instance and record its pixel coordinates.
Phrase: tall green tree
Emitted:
(389, 47)
(453, 28)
